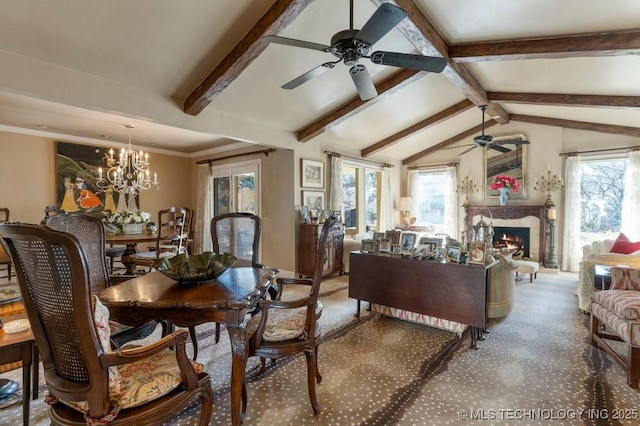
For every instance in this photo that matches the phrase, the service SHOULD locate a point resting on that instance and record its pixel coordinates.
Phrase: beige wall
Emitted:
(27, 178)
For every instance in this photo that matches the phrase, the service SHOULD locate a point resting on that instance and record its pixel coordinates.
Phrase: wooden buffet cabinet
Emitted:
(309, 234)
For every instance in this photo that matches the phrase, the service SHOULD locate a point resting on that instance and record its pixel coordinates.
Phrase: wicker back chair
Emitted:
(90, 233)
(4, 256)
(53, 272)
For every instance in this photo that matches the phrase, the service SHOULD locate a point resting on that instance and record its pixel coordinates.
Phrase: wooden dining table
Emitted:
(20, 347)
(227, 300)
(131, 245)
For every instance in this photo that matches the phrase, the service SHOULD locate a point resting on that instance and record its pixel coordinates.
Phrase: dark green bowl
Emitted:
(187, 268)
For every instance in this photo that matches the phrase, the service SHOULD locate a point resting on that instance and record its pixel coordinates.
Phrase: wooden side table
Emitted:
(602, 274)
(20, 347)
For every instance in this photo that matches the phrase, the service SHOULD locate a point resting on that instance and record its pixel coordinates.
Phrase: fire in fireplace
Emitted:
(511, 237)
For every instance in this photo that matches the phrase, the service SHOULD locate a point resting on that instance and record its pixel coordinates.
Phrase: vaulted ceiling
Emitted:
(198, 75)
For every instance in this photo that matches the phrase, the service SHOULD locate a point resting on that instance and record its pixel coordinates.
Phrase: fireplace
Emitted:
(512, 237)
(533, 217)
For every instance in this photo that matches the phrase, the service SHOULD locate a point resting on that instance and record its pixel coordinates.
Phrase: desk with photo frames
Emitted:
(446, 291)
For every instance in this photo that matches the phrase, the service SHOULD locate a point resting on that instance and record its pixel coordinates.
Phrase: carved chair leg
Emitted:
(594, 329)
(633, 375)
(194, 341)
(311, 378)
(318, 376)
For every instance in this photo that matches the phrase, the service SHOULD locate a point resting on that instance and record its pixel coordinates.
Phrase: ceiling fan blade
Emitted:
(498, 148)
(458, 146)
(411, 61)
(309, 75)
(381, 22)
(473, 147)
(511, 142)
(297, 43)
(364, 84)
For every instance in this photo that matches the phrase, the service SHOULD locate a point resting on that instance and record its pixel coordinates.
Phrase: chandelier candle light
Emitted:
(128, 173)
(549, 183)
(467, 186)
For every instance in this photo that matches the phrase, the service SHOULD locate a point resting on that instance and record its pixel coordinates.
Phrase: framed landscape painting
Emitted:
(313, 199)
(312, 174)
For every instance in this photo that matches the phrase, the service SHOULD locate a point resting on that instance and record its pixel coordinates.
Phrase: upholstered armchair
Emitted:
(615, 316)
(88, 383)
(597, 253)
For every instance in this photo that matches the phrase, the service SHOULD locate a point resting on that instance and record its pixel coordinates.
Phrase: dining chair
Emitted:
(238, 234)
(173, 234)
(283, 328)
(4, 256)
(87, 382)
(90, 233)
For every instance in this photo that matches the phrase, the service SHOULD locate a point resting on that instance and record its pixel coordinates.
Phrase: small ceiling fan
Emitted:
(494, 143)
(349, 46)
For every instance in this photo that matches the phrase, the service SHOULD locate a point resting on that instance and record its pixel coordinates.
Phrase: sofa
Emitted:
(599, 253)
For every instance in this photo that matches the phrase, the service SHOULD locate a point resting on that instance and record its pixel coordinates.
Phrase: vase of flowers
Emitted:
(129, 222)
(504, 184)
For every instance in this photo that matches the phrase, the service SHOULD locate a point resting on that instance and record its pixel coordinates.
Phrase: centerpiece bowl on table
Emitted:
(186, 268)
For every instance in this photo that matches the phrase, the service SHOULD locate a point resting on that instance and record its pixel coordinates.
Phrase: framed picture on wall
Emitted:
(77, 174)
(313, 199)
(312, 174)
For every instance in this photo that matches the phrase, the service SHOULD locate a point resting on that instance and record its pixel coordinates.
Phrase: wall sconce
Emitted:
(405, 205)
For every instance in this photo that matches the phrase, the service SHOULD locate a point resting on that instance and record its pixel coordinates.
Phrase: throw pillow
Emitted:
(623, 245)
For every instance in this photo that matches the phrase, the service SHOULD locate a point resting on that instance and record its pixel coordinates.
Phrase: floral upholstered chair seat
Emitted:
(284, 324)
(135, 383)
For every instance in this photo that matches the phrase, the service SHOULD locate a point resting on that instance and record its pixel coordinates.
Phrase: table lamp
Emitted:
(405, 205)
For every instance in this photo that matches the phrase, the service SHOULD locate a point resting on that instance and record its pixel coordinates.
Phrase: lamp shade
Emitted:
(405, 204)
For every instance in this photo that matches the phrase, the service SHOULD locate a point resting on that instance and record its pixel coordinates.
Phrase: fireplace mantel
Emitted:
(510, 212)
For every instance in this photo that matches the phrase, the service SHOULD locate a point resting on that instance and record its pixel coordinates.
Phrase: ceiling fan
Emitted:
(349, 46)
(494, 143)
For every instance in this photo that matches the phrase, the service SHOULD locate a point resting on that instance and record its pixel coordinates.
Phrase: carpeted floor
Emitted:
(536, 367)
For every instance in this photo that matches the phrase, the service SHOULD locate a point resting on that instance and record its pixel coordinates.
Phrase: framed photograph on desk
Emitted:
(408, 241)
(453, 253)
(477, 252)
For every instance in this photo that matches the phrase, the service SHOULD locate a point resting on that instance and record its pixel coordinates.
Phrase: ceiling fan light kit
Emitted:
(351, 45)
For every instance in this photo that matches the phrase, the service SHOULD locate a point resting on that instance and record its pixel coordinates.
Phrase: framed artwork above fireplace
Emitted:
(511, 163)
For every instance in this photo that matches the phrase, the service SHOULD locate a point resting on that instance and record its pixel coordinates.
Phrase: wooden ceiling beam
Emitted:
(425, 37)
(457, 138)
(355, 105)
(275, 20)
(418, 127)
(578, 125)
(596, 44)
(559, 99)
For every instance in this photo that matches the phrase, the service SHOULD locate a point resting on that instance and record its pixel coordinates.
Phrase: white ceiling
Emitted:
(84, 69)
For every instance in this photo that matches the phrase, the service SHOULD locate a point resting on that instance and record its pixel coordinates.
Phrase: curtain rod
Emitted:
(572, 153)
(337, 154)
(211, 160)
(430, 166)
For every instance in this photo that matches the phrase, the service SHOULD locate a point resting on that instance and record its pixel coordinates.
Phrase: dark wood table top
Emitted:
(235, 288)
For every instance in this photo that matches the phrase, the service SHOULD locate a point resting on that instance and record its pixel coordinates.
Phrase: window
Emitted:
(602, 191)
(430, 199)
(361, 198)
(235, 188)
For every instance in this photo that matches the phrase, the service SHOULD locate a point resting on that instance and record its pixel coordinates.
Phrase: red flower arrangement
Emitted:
(504, 181)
